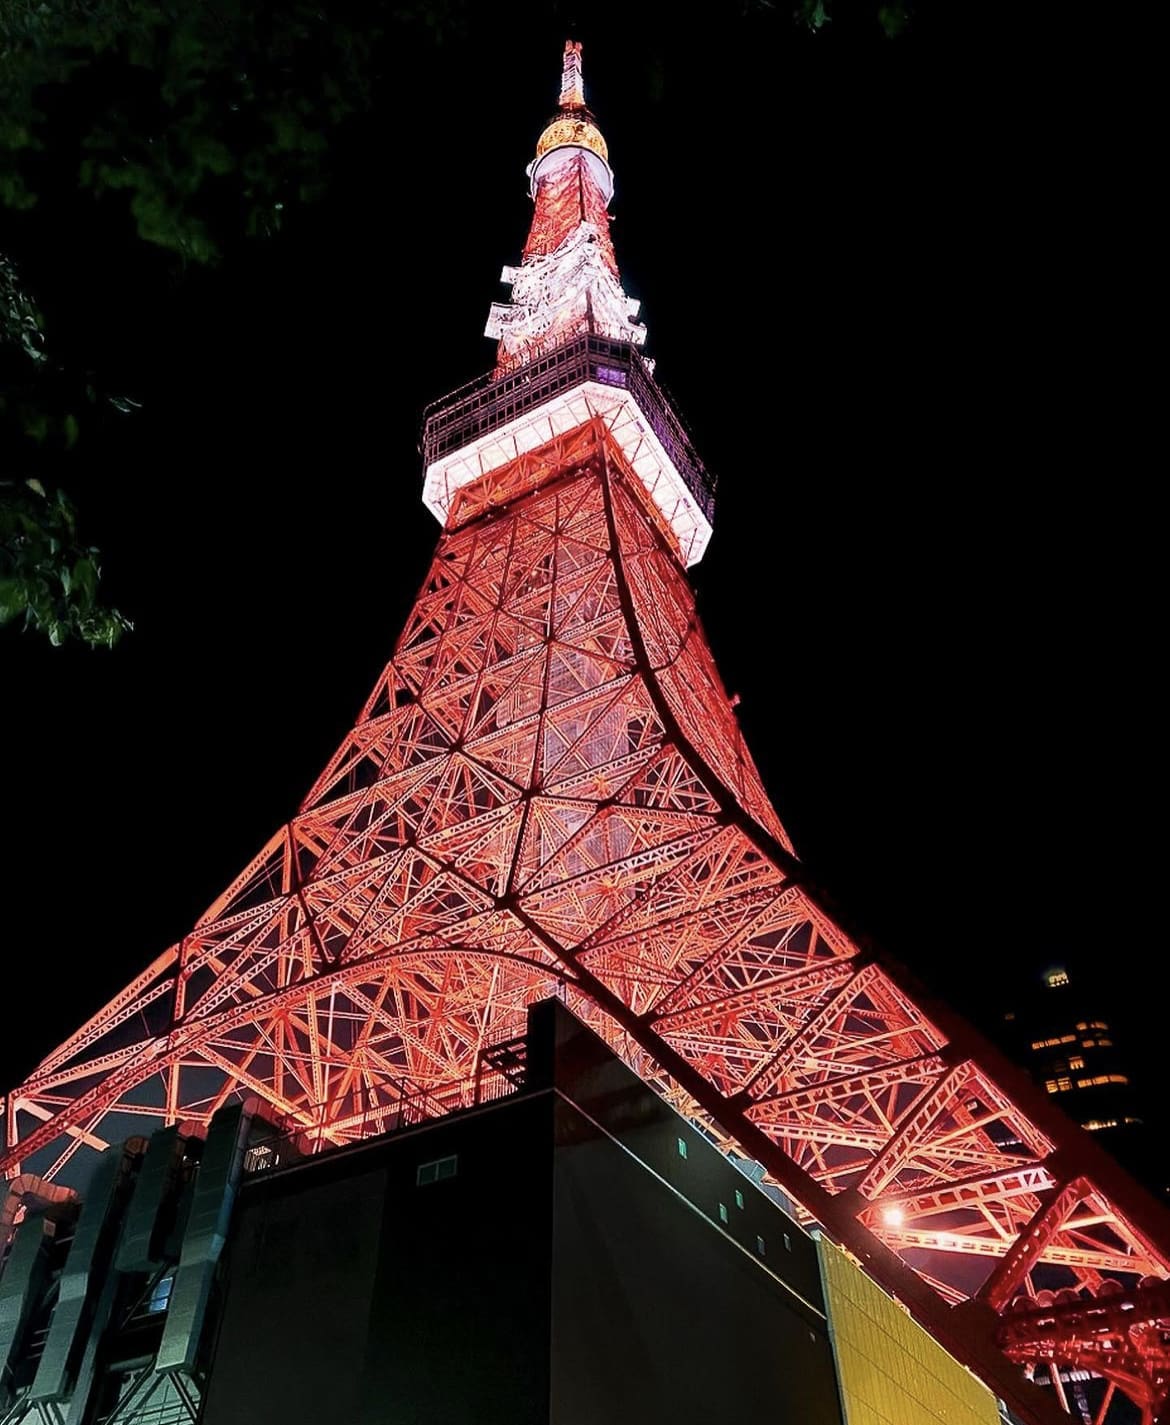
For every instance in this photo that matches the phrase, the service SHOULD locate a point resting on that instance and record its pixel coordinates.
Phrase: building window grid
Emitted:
(1063, 1084)
(1054, 1041)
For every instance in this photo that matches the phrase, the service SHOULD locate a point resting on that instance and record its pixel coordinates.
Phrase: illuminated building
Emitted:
(1061, 1031)
(548, 793)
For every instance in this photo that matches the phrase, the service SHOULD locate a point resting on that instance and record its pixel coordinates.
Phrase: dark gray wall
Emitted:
(299, 1286)
(660, 1316)
(353, 1296)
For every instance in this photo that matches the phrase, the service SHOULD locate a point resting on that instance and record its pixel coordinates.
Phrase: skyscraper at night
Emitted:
(547, 795)
(1063, 1028)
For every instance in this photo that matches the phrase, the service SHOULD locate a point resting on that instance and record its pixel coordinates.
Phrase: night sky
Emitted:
(883, 286)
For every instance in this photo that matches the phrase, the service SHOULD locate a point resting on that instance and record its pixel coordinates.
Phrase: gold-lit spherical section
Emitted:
(572, 129)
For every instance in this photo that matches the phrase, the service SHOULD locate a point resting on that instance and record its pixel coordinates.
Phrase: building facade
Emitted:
(569, 1250)
(1064, 1030)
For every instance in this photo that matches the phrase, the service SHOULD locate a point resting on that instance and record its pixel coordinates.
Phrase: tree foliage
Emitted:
(46, 574)
(206, 121)
(210, 117)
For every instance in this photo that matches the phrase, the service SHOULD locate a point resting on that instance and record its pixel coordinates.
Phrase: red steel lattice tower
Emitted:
(547, 792)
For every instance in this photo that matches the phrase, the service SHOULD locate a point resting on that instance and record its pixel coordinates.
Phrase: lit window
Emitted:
(1096, 1123)
(436, 1171)
(160, 1296)
(1056, 977)
(1097, 1024)
(1076, 1062)
(787, 1241)
(1061, 1085)
(761, 1248)
(682, 1147)
(1101, 1079)
(739, 1199)
(722, 1212)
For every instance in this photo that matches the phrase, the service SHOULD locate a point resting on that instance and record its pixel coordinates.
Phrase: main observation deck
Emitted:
(497, 418)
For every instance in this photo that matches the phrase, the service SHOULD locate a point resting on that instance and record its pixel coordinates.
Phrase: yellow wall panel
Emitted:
(891, 1371)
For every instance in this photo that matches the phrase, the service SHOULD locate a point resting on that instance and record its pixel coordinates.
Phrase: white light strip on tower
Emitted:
(631, 431)
(564, 292)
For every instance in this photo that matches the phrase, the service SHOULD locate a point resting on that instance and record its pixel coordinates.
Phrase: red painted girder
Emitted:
(779, 1062)
(998, 1186)
(970, 1245)
(1123, 1337)
(833, 1090)
(793, 984)
(1047, 1221)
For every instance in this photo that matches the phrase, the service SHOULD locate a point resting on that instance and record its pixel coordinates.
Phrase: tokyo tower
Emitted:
(547, 793)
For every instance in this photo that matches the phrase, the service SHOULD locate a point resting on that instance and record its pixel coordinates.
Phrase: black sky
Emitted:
(883, 284)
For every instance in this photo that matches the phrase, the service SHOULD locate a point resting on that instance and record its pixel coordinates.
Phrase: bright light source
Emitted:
(893, 1216)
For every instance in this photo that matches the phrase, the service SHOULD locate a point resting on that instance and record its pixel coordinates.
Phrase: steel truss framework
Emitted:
(547, 792)
(568, 201)
(567, 282)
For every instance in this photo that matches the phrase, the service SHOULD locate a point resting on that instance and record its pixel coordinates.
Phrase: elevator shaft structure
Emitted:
(547, 793)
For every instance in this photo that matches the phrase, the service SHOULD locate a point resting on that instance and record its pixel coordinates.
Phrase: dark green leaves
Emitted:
(205, 120)
(46, 575)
